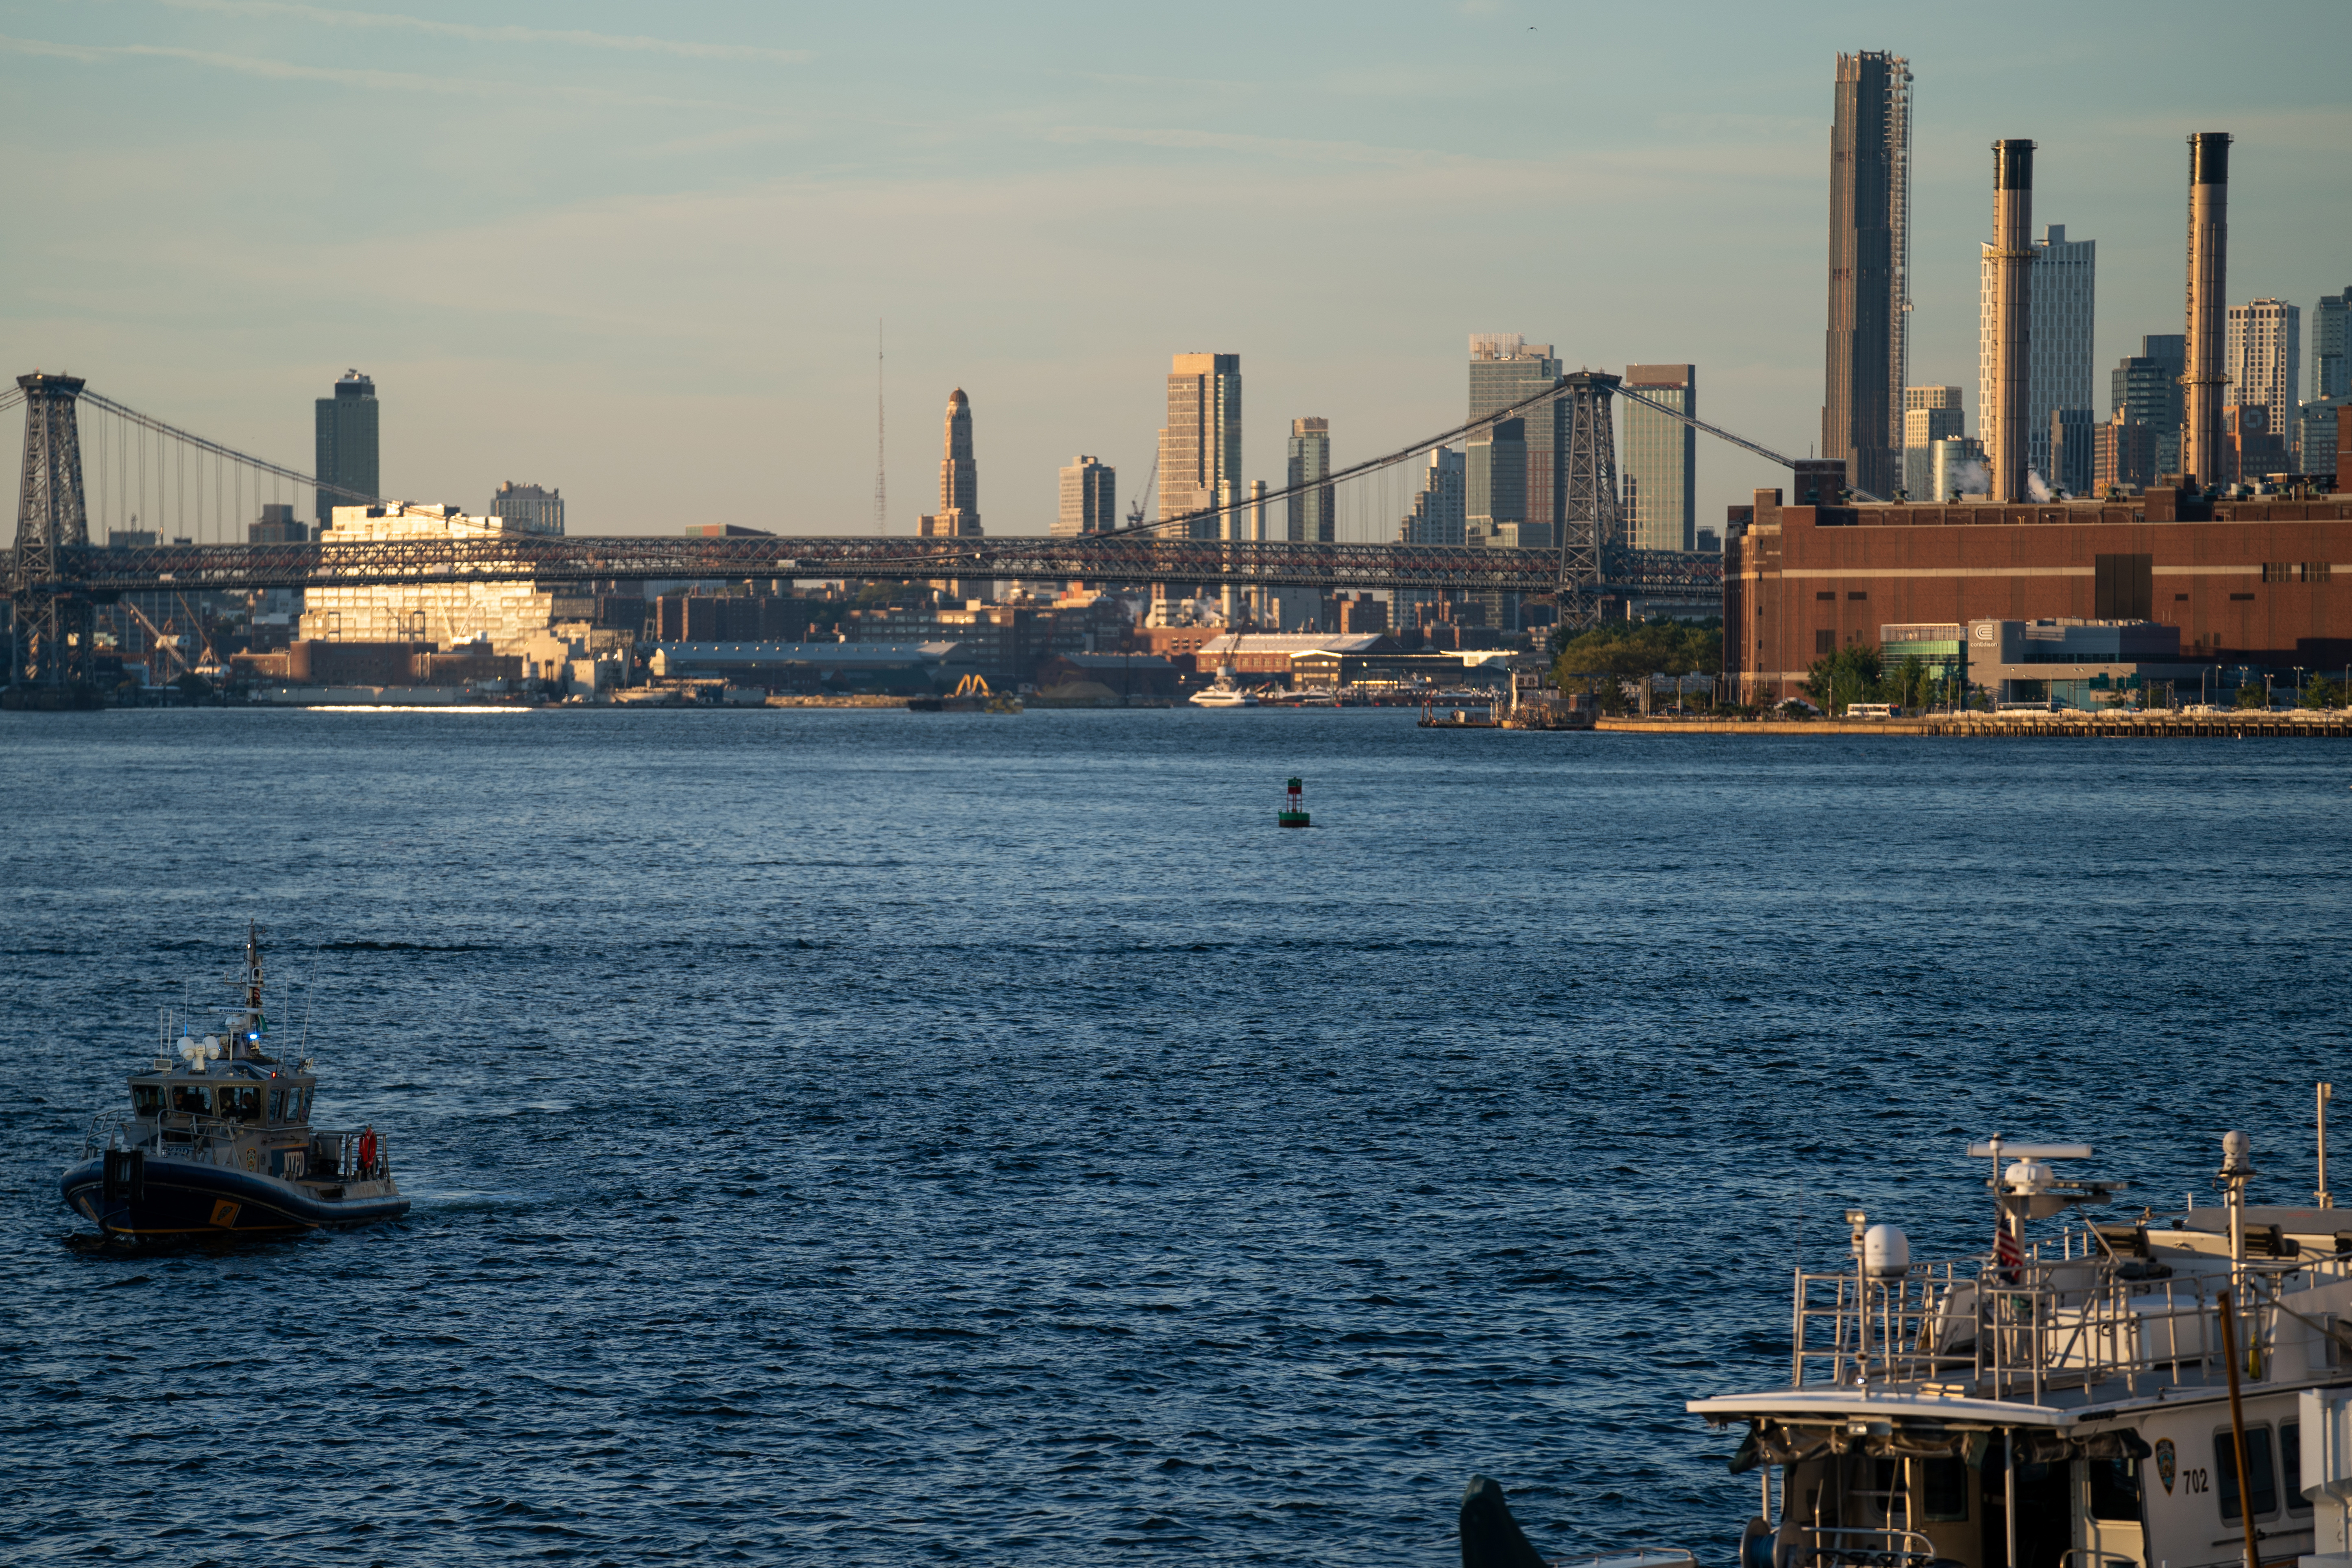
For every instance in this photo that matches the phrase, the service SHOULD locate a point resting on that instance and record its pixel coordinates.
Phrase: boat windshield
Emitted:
(146, 1098)
(240, 1104)
(193, 1098)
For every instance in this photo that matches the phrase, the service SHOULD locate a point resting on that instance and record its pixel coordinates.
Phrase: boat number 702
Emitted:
(2194, 1480)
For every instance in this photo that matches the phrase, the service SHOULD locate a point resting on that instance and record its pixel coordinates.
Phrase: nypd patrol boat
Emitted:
(2169, 1391)
(217, 1140)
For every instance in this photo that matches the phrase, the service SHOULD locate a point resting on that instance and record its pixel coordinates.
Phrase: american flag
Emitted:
(2006, 1252)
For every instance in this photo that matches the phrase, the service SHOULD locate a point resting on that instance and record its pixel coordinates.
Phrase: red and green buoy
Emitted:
(1294, 810)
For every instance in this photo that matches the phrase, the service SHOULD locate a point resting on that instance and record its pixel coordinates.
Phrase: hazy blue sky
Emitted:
(638, 252)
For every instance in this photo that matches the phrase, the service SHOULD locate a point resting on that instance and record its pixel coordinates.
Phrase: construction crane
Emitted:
(1135, 508)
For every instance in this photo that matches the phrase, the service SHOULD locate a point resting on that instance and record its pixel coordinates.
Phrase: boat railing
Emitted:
(1851, 1546)
(2020, 1330)
(104, 1133)
(335, 1154)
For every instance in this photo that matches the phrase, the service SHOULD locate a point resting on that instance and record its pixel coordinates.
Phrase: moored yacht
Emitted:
(2087, 1398)
(219, 1141)
(1222, 692)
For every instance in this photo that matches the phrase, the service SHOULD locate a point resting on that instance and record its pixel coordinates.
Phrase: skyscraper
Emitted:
(1200, 446)
(1869, 262)
(1930, 414)
(529, 508)
(1437, 516)
(2331, 370)
(1505, 369)
(2265, 352)
(1662, 457)
(1308, 513)
(2061, 302)
(1494, 486)
(1089, 498)
(347, 444)
(2144, 389)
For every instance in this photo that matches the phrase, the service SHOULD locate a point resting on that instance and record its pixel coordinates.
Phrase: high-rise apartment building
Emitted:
(2331, 369)
(1661, 466)
(2061, 305)
(1089, 498)
(347, 445)
(1308, 513)
(1437, 515)
(1930, 414)
(529, 508)
(1506, 369)
(1869, 264)
(2315, 446)
(1200, 446)
(2125, 454)
(2265, 359)
(2073, 444)
(2144, 389)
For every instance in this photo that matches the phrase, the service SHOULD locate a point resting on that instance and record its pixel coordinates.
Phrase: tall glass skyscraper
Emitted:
(1662, 458)
(347, 445)
(1504, 368)
(2061, 369)
(1089, 498)
(2331, 369)
(1200, 446)
(1310, 513)
(1869, 264)
(2144, 389)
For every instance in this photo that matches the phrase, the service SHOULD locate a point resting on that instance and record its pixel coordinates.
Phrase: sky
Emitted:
(641, 252)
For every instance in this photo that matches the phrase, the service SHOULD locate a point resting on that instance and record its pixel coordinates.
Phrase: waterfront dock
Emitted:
(2252, 724)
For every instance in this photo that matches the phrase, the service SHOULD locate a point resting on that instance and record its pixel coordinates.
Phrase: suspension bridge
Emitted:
(146, 513)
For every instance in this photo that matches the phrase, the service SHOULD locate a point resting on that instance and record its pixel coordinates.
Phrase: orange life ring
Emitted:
(367, 1152)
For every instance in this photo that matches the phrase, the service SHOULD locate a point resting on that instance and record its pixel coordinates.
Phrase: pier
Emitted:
(2254, 724)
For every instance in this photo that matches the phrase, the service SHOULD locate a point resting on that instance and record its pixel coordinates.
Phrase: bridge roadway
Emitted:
(1122, 559)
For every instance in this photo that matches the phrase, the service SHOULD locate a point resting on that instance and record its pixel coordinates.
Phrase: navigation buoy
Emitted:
(1294, 811)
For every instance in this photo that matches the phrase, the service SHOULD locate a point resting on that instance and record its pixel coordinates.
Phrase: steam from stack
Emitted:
(2011, 251)
(2204, 376)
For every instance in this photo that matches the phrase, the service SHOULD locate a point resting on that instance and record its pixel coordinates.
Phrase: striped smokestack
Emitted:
(2012, 251)
(2203, 375)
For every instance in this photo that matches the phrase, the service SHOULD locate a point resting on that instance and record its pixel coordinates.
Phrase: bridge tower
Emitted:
(1589, 527)
(56, 627)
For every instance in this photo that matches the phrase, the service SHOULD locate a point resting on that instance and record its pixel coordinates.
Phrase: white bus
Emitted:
(1873, 711)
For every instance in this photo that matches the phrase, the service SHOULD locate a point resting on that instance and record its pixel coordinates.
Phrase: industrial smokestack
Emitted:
(2203, 375)
(2011, 252)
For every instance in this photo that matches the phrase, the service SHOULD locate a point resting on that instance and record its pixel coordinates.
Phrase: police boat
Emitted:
(217, 1142)
(2134, 1390)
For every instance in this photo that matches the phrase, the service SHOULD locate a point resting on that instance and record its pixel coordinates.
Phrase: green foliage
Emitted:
(2251, 695)
(1909, 684)
(2321, 692)
(1850, 675)
(1634, 650)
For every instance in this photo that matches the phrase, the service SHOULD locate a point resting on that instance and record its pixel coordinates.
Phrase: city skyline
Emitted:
(558, 295)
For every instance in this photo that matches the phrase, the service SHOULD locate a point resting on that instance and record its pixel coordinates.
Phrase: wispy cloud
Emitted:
(339, 75)
(1231, 142)
(472, 33)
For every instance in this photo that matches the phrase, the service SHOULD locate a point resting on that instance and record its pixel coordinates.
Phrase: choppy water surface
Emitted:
(881, 1137)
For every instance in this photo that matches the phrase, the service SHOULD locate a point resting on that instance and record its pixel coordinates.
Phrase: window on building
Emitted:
(1857, 594)
(2180, 598)
(2241, 595)
(1825, 641)
(1826, 593)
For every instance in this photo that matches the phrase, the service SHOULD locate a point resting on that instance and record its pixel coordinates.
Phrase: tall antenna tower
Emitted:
(881, 481)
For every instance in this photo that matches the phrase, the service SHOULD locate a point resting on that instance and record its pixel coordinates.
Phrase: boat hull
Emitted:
(186, 1197)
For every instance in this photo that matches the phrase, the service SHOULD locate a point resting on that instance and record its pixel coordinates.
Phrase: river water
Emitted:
(877, 1137)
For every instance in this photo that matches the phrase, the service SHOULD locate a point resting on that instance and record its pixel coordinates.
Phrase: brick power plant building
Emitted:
(2264, 579)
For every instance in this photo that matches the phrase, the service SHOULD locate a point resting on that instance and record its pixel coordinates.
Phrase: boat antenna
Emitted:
(308, 1002)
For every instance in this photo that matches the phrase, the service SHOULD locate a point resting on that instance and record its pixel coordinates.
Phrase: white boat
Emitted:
(1223, 693)
(2082, 1399)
